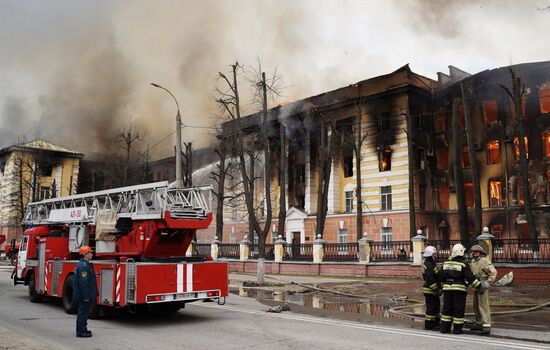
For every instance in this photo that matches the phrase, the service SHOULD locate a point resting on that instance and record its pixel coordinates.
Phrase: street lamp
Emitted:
(179, 179)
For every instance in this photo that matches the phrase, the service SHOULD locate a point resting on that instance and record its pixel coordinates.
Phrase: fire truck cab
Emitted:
(140, 235)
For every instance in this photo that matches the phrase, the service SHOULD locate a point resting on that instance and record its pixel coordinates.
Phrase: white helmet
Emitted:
(429, 251)
(458, 250)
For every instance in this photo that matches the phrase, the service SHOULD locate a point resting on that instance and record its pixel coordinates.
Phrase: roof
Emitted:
(41, 145)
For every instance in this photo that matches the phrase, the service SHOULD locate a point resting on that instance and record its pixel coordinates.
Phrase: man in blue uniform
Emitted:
(84, 291)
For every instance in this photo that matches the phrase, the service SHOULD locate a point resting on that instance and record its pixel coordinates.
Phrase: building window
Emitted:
(343, 235)
(521, 198)
(349, 201)
(383, 122)
(348, 166)
(442, 155)
(422, 197)
(490, 111)
(465, 157)
(45, 192)
(469, 192)
(516, 147)
(493, 152)
(440, 124)
(234, 214)
(443, 197)
(544, 99)
(384, 159)
(495, 193)
(385, 198)
(546, 143)
(523, 230)
(385, 236)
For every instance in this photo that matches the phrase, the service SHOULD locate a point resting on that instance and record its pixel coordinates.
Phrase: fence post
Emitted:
(215, 249)
(279, 248)
(318, 250)
(419, 244)
(244, 249)
(190, 249)
(365, 248)
(486, 241)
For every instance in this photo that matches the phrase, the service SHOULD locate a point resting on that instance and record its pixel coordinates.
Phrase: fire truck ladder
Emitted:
(140, 202)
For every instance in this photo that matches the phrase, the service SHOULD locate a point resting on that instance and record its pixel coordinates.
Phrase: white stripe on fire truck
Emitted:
(117, 291)
(179, 283)
(189, 277)
(46, 279)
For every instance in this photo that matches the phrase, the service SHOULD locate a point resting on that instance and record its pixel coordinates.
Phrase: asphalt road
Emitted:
(240, 324)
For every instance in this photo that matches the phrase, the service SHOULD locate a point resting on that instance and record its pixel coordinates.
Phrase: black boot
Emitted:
(445, 327)
(429, 325)
(457, 328)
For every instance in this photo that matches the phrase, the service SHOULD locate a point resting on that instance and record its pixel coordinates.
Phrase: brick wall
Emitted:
(522, 274)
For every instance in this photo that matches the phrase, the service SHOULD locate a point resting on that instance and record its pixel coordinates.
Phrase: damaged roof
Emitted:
(41, 145)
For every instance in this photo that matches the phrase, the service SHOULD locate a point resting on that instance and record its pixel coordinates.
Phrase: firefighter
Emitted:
(84, 291)
(431, 288)
(456, 276)
(486, 273)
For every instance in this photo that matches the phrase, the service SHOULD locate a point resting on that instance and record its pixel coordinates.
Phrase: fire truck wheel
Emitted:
(69, 304)
(34, 297)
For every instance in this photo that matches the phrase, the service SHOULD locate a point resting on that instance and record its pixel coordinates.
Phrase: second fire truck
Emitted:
(141, 237)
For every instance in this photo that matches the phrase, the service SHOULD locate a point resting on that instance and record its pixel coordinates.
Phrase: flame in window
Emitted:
(495, 193)
(493, 152)
(516, 146)
(546, 142)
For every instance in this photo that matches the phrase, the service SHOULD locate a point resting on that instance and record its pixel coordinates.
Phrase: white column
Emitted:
(310, 197)
(334, 189)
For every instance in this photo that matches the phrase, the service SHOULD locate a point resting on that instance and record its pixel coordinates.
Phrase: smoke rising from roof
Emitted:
(75, 73)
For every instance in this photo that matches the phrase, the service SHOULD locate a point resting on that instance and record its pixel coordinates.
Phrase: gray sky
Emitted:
(75, 72)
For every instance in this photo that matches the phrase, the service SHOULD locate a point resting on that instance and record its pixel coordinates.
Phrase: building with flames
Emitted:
(33, 171)
(406, 159)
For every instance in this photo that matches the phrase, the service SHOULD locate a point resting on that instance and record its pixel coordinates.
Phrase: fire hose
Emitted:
(397, 309)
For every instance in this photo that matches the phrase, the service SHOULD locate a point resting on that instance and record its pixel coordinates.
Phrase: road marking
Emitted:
(453, 338)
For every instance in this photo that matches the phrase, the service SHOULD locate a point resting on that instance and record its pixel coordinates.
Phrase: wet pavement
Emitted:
(376, 300)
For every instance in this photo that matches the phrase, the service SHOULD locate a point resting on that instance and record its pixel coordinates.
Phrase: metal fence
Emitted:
(341, 252)
(202, 249)
(230, 251)
(254, 252)
(391, 251)
(521, 250)
(298, 252)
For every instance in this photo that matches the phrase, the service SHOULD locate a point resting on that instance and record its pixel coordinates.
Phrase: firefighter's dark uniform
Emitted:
(85, 293)
(456, 277)
(430, 289)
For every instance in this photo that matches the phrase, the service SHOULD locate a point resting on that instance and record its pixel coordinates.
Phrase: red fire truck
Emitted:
(140, 235)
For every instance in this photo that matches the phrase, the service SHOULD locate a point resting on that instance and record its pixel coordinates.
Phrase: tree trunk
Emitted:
(358, 191)
(412, 209)
(473, 160)
(325, 163)
(459, 177)
(517, 90)
(220, 196)
(282, 181)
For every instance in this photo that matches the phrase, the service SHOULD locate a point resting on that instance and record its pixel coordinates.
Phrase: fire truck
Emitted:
(140, 235)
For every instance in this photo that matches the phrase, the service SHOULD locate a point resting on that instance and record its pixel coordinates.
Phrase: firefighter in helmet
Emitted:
(456, 276)
(431, 288)
(84, 291)
(486, 273)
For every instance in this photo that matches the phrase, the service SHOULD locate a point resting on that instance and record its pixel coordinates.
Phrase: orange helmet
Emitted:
(85, 249)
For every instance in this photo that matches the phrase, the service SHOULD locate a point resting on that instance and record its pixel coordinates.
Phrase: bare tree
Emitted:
(516, 94)
(459, 176)
(230, 101)
(127, 137)
(325, 163)
(466, 93)
(282, 179)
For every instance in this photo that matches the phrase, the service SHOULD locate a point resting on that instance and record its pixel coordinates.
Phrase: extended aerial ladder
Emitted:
(140, 235)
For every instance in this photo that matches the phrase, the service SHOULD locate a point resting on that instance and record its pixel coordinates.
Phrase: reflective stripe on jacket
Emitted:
(456, 275)
(430, 273)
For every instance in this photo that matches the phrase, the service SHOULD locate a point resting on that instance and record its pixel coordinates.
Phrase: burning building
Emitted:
(406, 159)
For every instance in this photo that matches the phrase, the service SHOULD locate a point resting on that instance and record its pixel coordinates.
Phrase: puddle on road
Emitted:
(315, 303)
